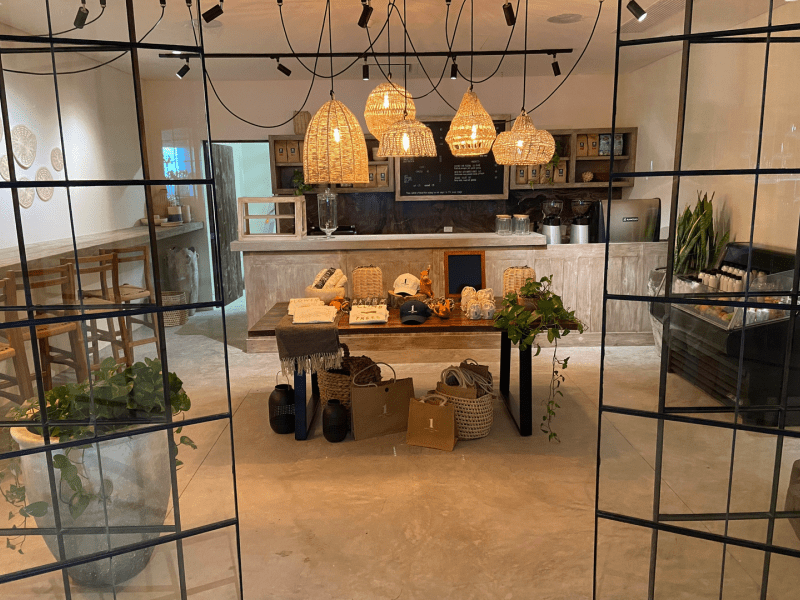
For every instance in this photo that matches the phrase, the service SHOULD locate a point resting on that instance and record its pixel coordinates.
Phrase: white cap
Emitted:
(406, 284)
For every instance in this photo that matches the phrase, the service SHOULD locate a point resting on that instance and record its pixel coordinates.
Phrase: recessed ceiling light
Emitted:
(565, 19)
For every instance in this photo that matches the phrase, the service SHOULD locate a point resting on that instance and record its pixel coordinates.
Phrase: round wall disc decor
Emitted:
(43, 174)
(24, 144)
(57, 159)
(4, 168)
(26, 195)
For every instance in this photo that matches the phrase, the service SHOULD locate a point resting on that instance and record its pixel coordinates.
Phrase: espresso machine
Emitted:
(579, 232)
(551, 226)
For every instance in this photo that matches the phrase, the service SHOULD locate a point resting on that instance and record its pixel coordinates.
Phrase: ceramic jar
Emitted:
(335, 421)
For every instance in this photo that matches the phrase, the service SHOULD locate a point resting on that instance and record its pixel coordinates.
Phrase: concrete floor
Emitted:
(502, 517)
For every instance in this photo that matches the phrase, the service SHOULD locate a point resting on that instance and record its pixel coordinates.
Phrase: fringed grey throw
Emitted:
(311, 347)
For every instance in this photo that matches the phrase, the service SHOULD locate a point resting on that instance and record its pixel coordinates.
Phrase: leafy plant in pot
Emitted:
(698, 244)
(124, 482)
(536, 310)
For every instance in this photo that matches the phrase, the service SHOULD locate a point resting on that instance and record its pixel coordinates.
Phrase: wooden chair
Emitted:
(103, 266)
(14, 350)
(132, 293)
(54, 282)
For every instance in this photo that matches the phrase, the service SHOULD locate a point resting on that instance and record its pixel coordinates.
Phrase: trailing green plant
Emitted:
(134, 393)
(523, 325)
(299, 183)
(698, 245)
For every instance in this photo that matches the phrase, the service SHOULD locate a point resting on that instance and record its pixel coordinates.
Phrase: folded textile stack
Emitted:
(365, 315)
(314, 314)
(296, 303)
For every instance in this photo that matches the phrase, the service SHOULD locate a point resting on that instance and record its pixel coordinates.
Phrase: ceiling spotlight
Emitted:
(556, 68)
(637, 11)
(184, 70)
(366, 13)
(213, 12)
(83, 14)
(508, 11)
(365, 70)
(454, 70)
(284, 69)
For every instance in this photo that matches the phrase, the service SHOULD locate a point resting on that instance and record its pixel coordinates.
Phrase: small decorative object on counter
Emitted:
(340, 303)
(367, 282)
(485, 294)
(442, 308)
(281, 408)
(326, 206)
(406, 285)
(369, 315)
(488, 308)
(335, 421)
(515, 277)
(502, 224)
(472, 310)
(328, 284)
(587, 176)
(522, 224)
(425, 283)
(468, 293)
(414, 312)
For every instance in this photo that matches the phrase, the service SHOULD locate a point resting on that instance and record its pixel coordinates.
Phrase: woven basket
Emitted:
(174, 318)
(336, 384)
(474, 416)
(367, 282)
(515, 277)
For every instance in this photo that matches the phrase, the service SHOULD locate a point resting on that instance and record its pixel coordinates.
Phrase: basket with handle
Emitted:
(367, 282)
(174, 318)
(515, 277)
(474, 416)
(335, 384)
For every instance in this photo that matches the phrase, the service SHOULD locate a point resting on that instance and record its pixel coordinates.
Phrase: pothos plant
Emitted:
(544, 313)
(132, 394)
(299, 183)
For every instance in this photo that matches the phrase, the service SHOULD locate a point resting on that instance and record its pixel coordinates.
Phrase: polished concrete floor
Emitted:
(498, 518)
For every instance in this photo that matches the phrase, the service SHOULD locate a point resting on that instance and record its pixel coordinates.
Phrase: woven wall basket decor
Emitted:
(472, 131)
(385, 106)
(335, 150)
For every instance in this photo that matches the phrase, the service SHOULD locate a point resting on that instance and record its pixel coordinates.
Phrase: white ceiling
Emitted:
(254, 26)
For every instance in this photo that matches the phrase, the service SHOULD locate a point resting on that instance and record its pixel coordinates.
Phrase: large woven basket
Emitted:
(474, 416)
(367, 282)
(335, 384)
(515, 277)
(174, 318)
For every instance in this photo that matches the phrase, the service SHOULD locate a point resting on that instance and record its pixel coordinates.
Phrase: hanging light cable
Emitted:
(407, 136)
(334, 150)
(524, 144)
(472, 130)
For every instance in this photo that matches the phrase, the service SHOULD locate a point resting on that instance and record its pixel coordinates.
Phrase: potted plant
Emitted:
(537, 309)
(299, 183)
(135, 470)
(698, 244)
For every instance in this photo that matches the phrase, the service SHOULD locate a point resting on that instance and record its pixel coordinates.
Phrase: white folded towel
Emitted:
(366, 315)
(314, 314)
(296, 303)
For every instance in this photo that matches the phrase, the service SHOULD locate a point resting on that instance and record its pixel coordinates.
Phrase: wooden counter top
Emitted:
(388, 242)
(9, 257)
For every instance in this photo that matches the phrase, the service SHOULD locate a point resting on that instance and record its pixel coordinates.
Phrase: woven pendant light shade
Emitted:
(472, 131)
(385, 106)
(524, 144)
(407, 137)
(335, 150)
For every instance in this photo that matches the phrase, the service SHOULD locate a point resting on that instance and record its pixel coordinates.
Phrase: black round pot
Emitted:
(335, 421)
(281, 409)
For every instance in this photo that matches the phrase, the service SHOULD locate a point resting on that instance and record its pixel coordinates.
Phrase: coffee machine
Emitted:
(551, 226)
(579, 232)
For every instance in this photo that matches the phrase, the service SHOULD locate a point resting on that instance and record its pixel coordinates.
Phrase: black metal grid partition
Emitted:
(698, 477)
(116, 449)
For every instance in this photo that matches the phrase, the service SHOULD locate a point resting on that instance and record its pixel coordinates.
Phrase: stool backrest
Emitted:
(8, 295)
(134, 254)
(61, 277)
(103, 265)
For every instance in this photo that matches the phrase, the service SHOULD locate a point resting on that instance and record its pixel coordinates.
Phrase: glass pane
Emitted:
(631, 375)
(715, 15)
(687, 567)
(623, 560)
(212, 569)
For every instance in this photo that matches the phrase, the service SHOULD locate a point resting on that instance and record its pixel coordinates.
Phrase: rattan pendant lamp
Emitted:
(472, 130)
(334, 150)
(407, 137)
(524, 144)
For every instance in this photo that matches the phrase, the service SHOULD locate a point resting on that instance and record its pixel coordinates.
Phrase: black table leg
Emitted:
(525, 393)
(505, 363)
(303, 413)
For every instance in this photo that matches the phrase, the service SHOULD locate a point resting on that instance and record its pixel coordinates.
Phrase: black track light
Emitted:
(83, 14)
(366, 13)
(184, 70)
(284, 69)
(508, 11)
(454, 70)
(213, 12)
(556, 68)
(365, 70)
(637, 11)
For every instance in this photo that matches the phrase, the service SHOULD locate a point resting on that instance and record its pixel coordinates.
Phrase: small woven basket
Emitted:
(515, 277)
(174, 318)
(367, 282)
(474, 416)
(335, 384)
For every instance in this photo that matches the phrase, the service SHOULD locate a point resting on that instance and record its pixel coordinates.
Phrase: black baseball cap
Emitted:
(414, 311)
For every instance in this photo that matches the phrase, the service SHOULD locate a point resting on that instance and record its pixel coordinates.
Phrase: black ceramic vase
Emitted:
(281, 409)
(335, 421)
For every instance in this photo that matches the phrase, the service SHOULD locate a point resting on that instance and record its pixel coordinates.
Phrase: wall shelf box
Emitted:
(262, 218)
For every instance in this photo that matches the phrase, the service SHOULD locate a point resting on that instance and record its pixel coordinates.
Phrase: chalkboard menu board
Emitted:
(446, 177)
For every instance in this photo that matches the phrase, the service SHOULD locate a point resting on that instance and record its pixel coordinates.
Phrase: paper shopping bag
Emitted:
(380, 408)
(432, 423)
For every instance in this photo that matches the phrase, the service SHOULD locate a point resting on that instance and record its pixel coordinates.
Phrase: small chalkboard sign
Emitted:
(462, 269)
(447, 177)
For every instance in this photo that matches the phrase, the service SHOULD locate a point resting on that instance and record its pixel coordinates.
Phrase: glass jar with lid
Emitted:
(502, 224)
(522, 225)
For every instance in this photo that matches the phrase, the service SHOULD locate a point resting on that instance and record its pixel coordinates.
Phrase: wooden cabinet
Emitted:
(286, 161)
(577, 155)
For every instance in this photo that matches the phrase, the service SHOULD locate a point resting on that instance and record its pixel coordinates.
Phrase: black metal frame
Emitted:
(661, 522)
(169, 533)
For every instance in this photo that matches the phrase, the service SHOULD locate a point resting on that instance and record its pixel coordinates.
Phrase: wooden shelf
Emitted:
(625, 157)
(591, 184)
(288, 164)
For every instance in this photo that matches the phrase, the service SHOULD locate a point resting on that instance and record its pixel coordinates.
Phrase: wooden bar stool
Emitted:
(104, 267)
(131, 293)
(14, 350)
(57, 282)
